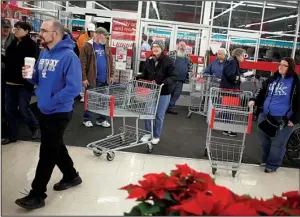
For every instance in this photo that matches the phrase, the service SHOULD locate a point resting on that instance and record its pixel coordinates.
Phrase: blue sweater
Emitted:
(58, 76)
(215, 68)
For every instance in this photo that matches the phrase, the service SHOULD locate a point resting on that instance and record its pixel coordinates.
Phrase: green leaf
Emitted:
(148, 209)
(144, 207)
(168, 196)
(174, 213)
(135, 211)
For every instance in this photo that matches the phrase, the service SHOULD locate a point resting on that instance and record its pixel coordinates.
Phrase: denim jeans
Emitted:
(162, 107)
(273, 148)
(18, 97)
(87, 116)
(176, 94)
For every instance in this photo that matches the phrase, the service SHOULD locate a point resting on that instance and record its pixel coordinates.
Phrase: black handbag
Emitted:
(270, 125)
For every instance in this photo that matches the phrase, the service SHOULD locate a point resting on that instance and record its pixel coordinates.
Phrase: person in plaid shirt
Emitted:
(183, 65)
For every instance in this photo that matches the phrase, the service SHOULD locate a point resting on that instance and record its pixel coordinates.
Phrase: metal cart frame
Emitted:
(135, 99)
(228, 111)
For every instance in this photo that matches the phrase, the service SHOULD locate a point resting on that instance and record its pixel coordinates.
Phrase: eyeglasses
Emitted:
(17, 29)
(45, 31)
(282, 65)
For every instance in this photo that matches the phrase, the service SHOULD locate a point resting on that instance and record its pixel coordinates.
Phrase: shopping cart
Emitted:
(228, 111)
(136, 99)
(200, 85)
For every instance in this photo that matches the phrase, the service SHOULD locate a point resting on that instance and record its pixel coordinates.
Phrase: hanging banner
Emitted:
(123, 33)
(159, 34)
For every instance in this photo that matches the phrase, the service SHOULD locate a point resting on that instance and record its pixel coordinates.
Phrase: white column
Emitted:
(204, 45)
(89, 19)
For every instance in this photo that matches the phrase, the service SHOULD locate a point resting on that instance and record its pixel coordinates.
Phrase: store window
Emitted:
(128, 6)
(245, 13)
(274, 47)
(218, 40)
(221, 14)
(181, 11)
(280, 18)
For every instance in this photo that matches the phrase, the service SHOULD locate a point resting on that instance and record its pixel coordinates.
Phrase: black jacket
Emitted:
(163, 73)
(230, 72)
(14, 59)
(262, 94)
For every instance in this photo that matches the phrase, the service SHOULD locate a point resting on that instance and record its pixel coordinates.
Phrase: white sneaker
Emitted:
(82, 99)
(103, 124)
(87, 123)
(146, 138)
(155, 141)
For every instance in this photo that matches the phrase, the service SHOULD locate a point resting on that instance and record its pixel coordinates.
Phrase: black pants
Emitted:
(52, 152)
(4, 127)
(17, 100)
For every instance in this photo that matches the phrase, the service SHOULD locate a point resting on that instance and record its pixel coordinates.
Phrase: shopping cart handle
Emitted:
(147, 81)
(231, 90)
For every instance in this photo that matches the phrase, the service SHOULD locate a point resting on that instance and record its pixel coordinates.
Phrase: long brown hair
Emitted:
(292, 66)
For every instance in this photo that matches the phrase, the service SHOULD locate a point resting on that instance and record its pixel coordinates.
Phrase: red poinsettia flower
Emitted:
(236, 209)
(293, 198)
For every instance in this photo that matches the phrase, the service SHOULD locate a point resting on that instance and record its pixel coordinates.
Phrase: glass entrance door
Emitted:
(190, 36)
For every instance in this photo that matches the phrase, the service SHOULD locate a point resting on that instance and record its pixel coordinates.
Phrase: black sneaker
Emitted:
(172, 111)
(268, 170)
(63, 185)
(7, 141)
(36, 134)
(31, 202)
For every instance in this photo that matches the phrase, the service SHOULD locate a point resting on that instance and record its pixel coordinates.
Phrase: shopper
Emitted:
(19, 91)
(216, 67)
(86, 36)
(58, 79)
(76, 49)
(159, 68)
(6, 38)
(145, 45)
(279, 104)
(97, 69)
(231, 75)
(183, 66)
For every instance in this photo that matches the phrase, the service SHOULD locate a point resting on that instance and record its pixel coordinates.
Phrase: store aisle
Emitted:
(99, 194)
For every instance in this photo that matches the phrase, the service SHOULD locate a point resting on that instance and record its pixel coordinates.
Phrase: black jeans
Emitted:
(52, 152)
(18, 97)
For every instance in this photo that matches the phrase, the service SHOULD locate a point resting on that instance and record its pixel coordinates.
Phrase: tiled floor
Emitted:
(99, 194)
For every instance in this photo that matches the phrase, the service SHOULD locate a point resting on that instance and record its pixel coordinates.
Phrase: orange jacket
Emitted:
(82, 39)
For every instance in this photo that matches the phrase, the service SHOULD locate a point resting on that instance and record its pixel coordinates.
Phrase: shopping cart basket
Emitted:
(200, 85)
(136, 99)
(228, 111)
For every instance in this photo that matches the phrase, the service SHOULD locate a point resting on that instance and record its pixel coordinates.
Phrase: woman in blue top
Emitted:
(279, 98)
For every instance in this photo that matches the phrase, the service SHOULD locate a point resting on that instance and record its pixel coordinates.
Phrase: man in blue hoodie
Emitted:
(57, 74)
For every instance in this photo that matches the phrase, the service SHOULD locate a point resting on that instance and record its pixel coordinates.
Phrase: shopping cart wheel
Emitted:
(214, 170)
(149, 148)
(233, 173)
(205, 152)
(98, 153)
(189, 115)
(110, 156)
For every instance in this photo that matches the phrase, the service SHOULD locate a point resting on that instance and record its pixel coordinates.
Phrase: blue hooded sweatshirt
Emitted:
(57, 73)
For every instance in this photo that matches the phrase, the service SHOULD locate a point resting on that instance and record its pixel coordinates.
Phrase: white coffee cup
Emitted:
(29, 61)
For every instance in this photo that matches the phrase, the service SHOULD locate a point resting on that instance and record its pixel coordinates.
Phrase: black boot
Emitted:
(31, 202)
(172, 111)
(7, 141)
(64, 185)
